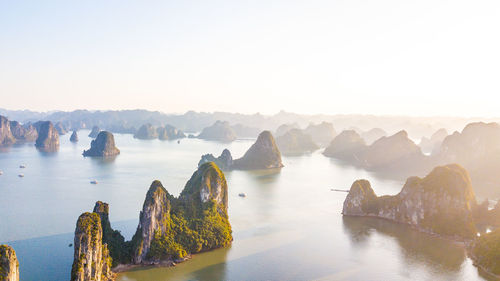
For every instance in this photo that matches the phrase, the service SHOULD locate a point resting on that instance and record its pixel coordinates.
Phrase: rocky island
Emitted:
(26, 133)
(9, 265)
(169, 132)
(102, 146)
(296, 142)
(219, 131)
(322, 134)
(372, 135)
(439, 203)
(74, 137)
(6, 137)
(94, 132)
(48, 137)
(224, 161)
(169, 230)
(346, 146)
(146, 132)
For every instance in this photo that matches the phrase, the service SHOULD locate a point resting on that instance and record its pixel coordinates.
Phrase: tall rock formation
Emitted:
(224, 161)
(102, 146)
(48, 138)
(9, 265)
(346, 146)
(94, 132)
(432, 144)
(6, 137)
(321, 134)
(219, 131)
(61, 129)
(296, 142)
(282, 129)
(169, 132)
(372, 135)
(146, 132)
(91, 256)
(439, 203)
(26, 133)
(263, 154)
(74, 137)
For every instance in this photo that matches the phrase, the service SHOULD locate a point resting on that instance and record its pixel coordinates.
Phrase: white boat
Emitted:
(93, 182)
(21, 175)
(22, 166)
(242, 195)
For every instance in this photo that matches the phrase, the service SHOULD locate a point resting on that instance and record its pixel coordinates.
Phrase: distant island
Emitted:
(219, 131)
(169, 230)
(102, 146)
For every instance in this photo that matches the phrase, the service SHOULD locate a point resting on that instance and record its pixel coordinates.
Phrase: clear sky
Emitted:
(426, 57)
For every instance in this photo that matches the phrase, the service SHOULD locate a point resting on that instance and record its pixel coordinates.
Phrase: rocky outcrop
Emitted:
(74, 137)
(9, 265)
(372, 135)
(91, 256)
(61, 129)
(224, 161)
(94, 132)
(346, 146)
(146, 132)
(102, 146)
(438, 203)
(48, 137)
(321, 134)
(295, 142)
(263, 154)
(26, 133)
(219, 131)
(282, 129)
(169, 132)
(432, 144)
(484, 253)
(6, 137)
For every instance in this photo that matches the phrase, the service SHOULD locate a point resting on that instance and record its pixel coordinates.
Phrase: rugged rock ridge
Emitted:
(48, 137)
(102, 146)
(346, 146)
(74, 137)
(282, 129)
(224, 161)
(432, 144)
(94, 132)
(9, 265)
(219, 131)
(91, 256)
(26, 133)
(263, 154)
(296, 142)
(6, 137)
(372, 135)
(146, 132)
(169, 132)
(61, 129)
(322, 134)
(439, 203)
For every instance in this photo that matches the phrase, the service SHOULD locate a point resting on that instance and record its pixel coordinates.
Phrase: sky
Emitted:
(397, 57)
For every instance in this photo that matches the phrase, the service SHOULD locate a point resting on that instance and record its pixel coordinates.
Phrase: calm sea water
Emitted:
(289, 226)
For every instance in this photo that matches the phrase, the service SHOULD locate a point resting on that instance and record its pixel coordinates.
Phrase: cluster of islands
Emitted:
(438, 199)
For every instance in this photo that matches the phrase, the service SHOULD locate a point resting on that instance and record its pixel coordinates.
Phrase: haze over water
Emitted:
(288, 226)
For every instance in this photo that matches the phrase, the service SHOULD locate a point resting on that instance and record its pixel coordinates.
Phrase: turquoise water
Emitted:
(289, 226)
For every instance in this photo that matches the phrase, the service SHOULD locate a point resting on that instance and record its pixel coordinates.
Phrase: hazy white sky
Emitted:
(426, 57)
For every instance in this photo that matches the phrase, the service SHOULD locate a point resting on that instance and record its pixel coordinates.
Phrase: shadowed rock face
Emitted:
(321, 134)
(91, 256)
(295, 142)
(102, 146)
(263, 154)
(74, 137)
(169, 133)
(48, 138)
(224, 161)
(61, 129)
(438, 203)
(25, 133)
(6, 136)
(146, 132)
(219, 131)
(282, 129)
(9, 265)
(372, 135)
(95, 131)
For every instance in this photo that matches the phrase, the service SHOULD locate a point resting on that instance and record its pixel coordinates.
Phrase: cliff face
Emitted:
(9, 265)
(61, 129)
(438, 203)
(321, 134)
(433, 143)
(95, 131)
(282, 129)
(74, 137)
(346, 146)
(6, 136)
(224, 161)
(219, 131)
(168, 132)
(372, 135)
(102, 146)
(91, 257)
(25, 133)
(263, 154)
(295, 142)
(154, 218)
(146, 132)
(48, 138)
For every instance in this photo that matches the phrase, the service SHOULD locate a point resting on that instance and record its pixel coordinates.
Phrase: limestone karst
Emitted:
(321, 134)
(146, 132)
(9, 265)
(102, 146)
(48, 137)
(94, 132)
(296, 142)
(263, 154)
(219, 131)
(6, 136)
(74, 137)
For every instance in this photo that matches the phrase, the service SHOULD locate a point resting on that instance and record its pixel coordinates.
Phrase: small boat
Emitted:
(178, 141)
(93, 182)
(21, 175)
(1, 173)
(22, 166)
(339, 190)
(242, 195)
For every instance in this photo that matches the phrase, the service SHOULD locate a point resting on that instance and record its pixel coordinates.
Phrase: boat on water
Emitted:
(242, 195)
(21, 175)
(22, 166)
(93, 182)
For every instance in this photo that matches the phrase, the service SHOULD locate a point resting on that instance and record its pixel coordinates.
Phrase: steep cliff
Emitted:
(219, 131)
(224, 161)
(9, 265)
(48, 137)
(61, 129)
(146, 132)
(346, 146)
(91, 256)
(296, 142)
(263, 154)
(26, 133)
(432, 144)
(6, 136)
(169, 132)
(102, 146)
(438, 203)
(74, 137)
(95, 131)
